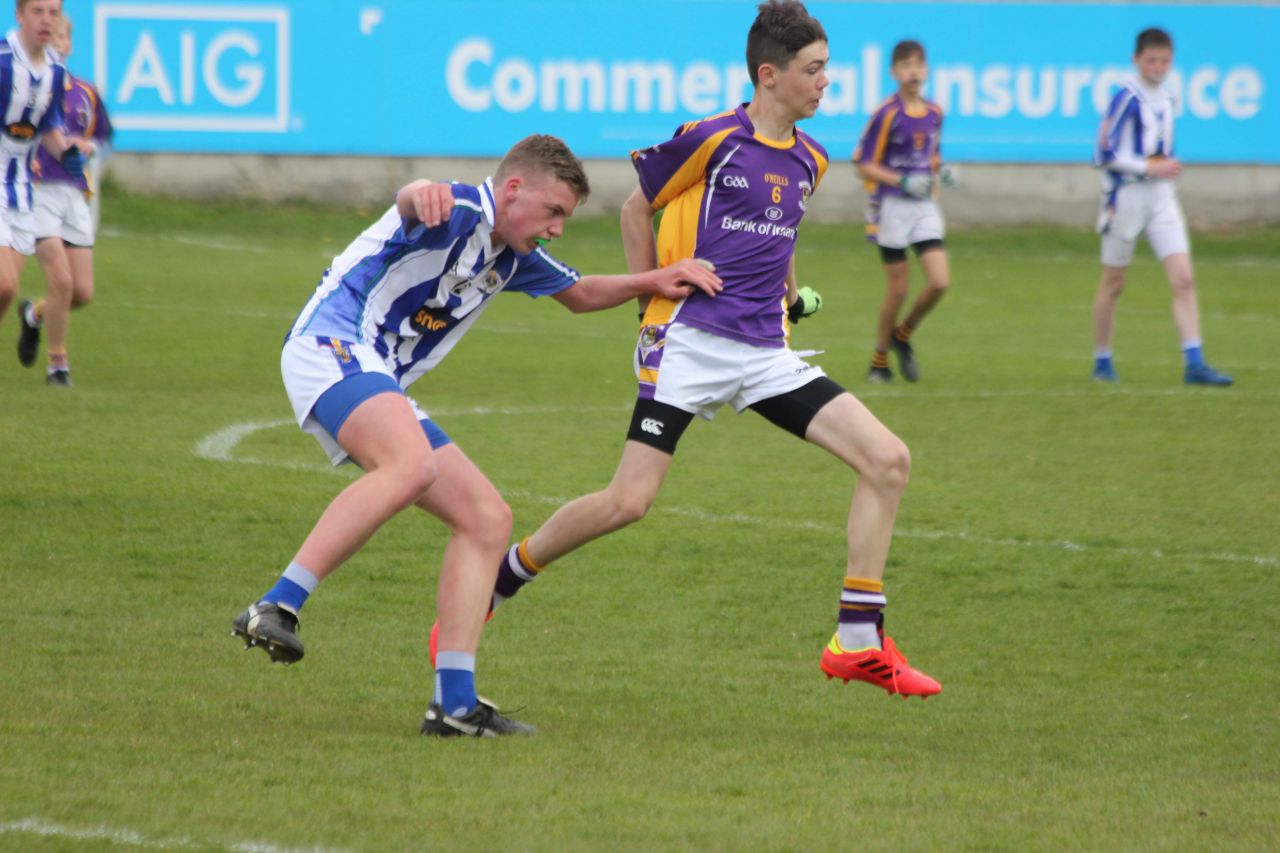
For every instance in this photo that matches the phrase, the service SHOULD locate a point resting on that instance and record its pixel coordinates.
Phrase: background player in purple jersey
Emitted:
(385, 312)
(63, 223)
(1135, 152)
(30, 116)
(899, 156)
(733, 189)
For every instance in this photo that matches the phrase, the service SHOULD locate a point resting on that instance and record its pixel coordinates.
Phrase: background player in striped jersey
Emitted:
(30, 115)
(387, 311)
(899, 156)
(1135, 152)
(64, 224)
(733, 189)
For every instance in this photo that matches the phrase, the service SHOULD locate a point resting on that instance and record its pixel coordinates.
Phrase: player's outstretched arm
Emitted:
(425, 201)
(597, 292)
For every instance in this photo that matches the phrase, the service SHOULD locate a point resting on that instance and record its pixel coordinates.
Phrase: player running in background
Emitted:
(733, 189)
(390, 307)
(899, 158)
(31, 106)
(1135, 152)
(63, 225)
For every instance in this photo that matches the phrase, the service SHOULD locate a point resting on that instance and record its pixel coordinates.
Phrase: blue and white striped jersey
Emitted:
(1138, 124)
(31, 103)
(412, 292)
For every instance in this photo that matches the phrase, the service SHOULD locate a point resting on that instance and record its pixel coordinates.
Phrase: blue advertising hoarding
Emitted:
(1019, 83)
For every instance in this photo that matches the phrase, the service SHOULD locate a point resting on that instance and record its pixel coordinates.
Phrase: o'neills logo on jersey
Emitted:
(776, 180)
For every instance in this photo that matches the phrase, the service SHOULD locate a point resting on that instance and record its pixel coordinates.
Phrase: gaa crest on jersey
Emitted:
(806, 190)
(340, 350)
(492, 281)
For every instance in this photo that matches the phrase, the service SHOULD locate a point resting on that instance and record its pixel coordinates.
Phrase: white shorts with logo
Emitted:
(1143, 206)
(906, 221)
(17, 230)
(309, 369)
(61, 210)
(699, 372)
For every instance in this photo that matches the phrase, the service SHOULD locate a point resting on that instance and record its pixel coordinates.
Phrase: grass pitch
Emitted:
(1090, 571)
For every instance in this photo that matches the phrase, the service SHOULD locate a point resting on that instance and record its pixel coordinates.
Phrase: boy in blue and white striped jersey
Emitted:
(387, 311)
(1135, 152)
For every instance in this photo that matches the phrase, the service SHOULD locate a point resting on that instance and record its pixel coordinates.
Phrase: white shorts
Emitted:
(1145, 206)
(310, 368)
(907, 221)
(17, 230)
(62, 211)
(699, 372)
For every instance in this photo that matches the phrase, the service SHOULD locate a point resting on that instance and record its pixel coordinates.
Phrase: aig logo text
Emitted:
(193, 66)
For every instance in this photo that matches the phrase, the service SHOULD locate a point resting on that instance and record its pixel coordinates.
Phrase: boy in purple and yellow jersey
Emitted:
(733, 189)
(899, 157)
(64, 224)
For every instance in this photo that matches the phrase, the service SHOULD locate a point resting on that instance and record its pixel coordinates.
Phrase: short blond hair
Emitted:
(545, 155)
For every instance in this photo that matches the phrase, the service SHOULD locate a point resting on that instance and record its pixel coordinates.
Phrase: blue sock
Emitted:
(456, 682)
(1102, 361)
(291, 591)
(1191, 352)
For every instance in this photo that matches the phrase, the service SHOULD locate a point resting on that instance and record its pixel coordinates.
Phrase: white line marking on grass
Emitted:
(220, 447)
(130, 838)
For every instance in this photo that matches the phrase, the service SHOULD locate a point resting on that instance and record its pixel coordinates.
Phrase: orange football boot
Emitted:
(885, 668)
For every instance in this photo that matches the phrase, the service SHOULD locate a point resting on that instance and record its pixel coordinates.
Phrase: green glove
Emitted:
(807, 302)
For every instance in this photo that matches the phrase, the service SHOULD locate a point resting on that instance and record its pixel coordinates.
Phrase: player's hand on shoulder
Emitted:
(675, 281)
(426, 201)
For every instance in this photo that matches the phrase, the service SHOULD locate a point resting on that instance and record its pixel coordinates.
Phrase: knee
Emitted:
(890, 465)
(413, 478)
(8, 288)
(489, 522)
(938, 285)
(81, 296)
(629, 507)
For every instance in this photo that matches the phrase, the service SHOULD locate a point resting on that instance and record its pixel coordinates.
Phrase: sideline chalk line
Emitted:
(220, 446)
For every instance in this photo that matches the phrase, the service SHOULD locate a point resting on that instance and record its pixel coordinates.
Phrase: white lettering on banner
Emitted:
(146, 71)
(477, 79)
(223, 52)
(248, 73)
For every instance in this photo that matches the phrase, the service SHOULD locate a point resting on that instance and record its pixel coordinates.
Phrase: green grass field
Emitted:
(1090, 571)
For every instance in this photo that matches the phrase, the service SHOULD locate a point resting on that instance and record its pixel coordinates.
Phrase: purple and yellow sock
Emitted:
(880, 359)
(903, 332)
(861, 614)
(516, 570)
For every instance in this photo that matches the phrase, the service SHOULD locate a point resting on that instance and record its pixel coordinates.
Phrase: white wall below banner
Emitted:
(988, 194)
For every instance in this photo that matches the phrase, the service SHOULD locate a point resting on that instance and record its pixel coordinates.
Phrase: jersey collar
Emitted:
(763, 140)
(20, 53)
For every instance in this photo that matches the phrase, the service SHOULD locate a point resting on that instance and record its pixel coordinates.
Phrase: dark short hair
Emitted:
(782, 29)
(1152, 37)
(541, 154)
(906, 49)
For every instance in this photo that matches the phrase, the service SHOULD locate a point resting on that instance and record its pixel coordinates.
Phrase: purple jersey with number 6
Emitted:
(734, 198)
